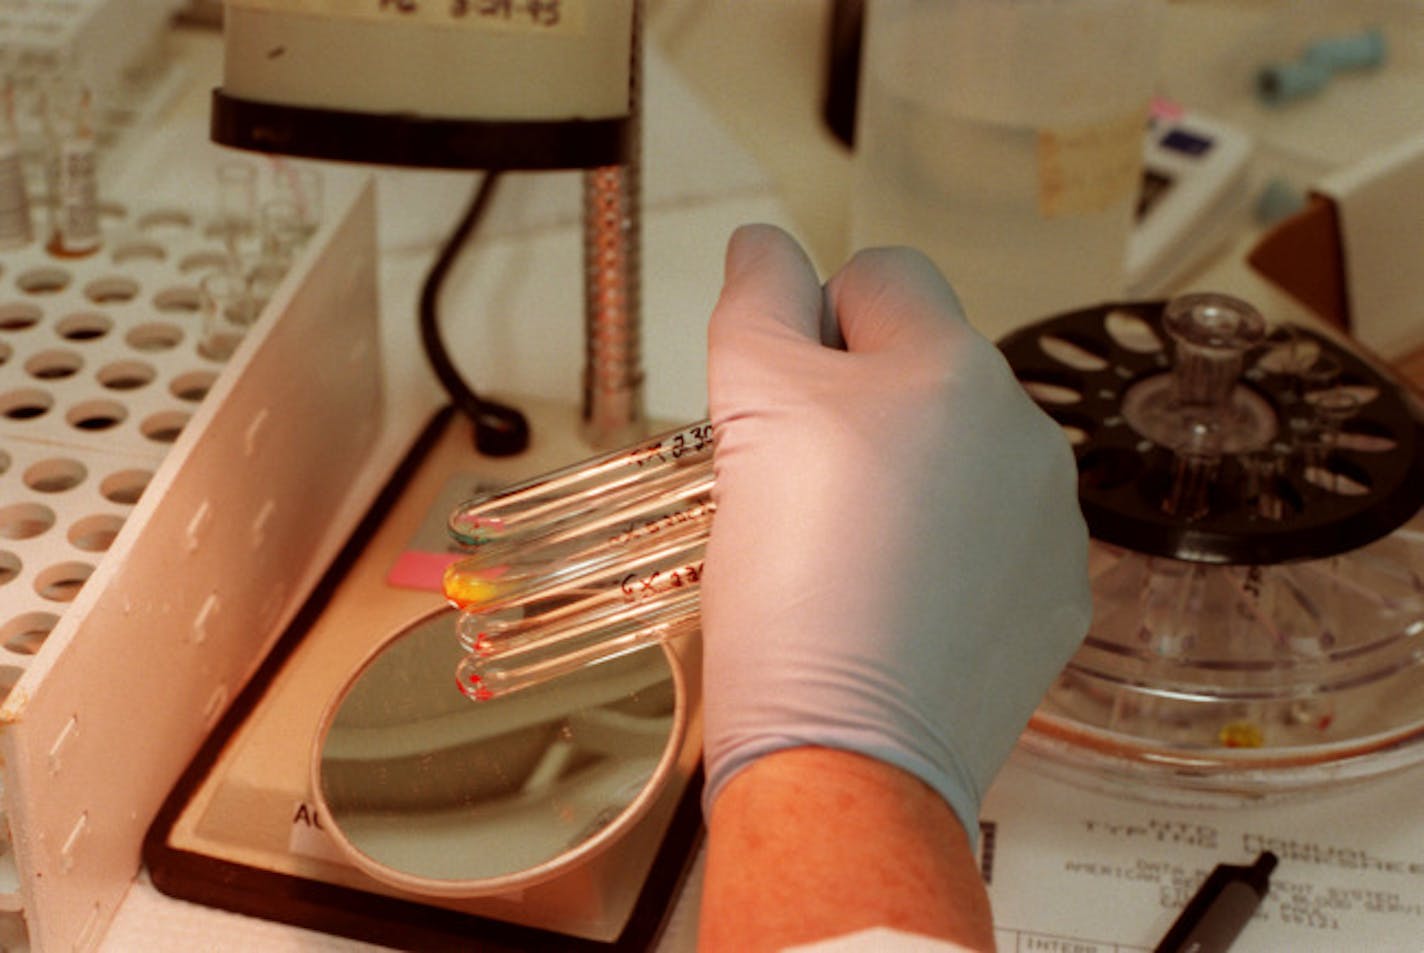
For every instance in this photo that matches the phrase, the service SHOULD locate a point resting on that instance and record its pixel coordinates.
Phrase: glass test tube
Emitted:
(280, 229)
(621, 576)
(517, 575)
(569, 648)
(74, 202)
(237, 203)
(279, 237)
(1333, 409)
(582, 565)
(596, 628)
(16, 228)
(227, 313)
(608, 481)
(301, 186)
(612, 524)
(1265, 472)
(1211, 334)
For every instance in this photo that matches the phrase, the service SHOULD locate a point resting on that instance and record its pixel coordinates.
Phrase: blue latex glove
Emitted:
(898, 563)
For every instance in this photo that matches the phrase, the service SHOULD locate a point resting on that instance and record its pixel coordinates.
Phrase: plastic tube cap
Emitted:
(1284, 82)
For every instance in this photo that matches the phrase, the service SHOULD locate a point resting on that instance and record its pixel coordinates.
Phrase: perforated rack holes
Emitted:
(99, 375)
(23, 635)
(55, 364)
(43, 281)
(83, 326)
(9, 566)
(25, 403)
(125, 486)
(25, 520)
(55, 475)
(126, 375)
(137, 251)
(95, 534)
(19, 316)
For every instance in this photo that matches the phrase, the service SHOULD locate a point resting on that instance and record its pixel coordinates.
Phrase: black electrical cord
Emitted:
(500, 430)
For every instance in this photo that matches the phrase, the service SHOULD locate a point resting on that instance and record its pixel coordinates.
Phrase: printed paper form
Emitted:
(1074, 871)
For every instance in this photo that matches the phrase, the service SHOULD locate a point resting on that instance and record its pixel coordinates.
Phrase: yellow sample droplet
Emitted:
(1241, 734)
(464, 589)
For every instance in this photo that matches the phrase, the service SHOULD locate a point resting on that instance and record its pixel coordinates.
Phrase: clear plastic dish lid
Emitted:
(1258, 602)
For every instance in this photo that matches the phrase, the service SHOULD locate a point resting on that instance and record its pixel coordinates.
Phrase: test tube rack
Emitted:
(162, 517)
(113, 48)
(95, 40)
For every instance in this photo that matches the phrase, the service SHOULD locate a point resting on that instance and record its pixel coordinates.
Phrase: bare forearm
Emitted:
(811, 843)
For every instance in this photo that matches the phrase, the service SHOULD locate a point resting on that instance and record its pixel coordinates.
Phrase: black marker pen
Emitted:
(1212, 919)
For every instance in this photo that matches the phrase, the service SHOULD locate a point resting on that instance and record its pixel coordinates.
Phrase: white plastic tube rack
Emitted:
(162, 516)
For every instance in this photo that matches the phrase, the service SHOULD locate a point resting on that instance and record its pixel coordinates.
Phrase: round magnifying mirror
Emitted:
(428, 791)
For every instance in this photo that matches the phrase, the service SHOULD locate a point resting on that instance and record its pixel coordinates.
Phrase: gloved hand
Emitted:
(898, 562)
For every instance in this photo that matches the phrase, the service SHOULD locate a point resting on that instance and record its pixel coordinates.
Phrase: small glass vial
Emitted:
(302, 186)
(237, 204)
(75, 230)
(16, 227)
(228, 312)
